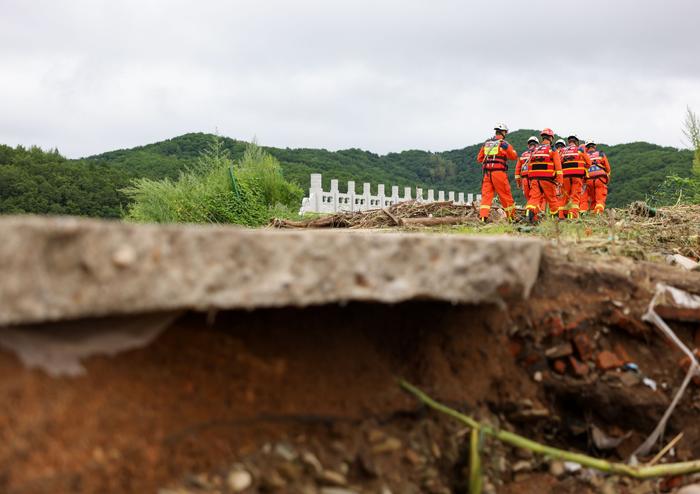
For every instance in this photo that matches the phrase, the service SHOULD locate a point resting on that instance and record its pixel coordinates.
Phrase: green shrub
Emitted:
(203, 193)
(259, 164)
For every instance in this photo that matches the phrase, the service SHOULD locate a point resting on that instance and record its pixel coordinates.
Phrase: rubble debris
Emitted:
(563, 350)
(607, 360)
(682, 261)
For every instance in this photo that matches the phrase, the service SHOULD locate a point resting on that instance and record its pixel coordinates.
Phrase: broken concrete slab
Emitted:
(69, 268)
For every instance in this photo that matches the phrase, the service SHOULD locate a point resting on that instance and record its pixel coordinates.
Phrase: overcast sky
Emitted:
(88, 76)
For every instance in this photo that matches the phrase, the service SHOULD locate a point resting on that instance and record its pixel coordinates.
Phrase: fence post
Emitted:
(431, 195)
(451, 196)
(394, 194)
(334, 192)
(460, 199)
(406, 193)
(366, 196)
(316, 192)
(351, 194)
(380, 195)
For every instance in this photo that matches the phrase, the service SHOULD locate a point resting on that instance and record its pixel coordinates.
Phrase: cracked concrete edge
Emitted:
(67, 268)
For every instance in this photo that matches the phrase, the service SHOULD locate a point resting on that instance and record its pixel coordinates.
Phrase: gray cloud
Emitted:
(93, 75)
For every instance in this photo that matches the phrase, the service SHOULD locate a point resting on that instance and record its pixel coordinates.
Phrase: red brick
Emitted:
(556, 325)
(670, 484)
(580, 368)
(629, 324)
(622, 353)
(560, 366)
(678, 313)
(583, 346)
(607, 360)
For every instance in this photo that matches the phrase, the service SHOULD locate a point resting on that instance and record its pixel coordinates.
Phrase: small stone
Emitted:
(336, 490)
(414, 458)
(332, 478)
(524, 454)
(556, 469)
(563, 350)
(537, 377)
(239, 480)
(285, 452)
(389, 445)
(522, 466)
(290, 471)
(124, 256)
(312, 461)
(273, 480)
(609, 487)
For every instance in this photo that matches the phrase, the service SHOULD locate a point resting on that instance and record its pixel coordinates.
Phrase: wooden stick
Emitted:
(445, 220)
(475, 478)
(666, 449)
(638, 472)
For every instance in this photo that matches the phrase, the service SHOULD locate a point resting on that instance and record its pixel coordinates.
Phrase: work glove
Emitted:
(504, 145)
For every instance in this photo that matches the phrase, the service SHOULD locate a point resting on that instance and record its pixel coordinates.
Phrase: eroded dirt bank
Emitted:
(301, 400)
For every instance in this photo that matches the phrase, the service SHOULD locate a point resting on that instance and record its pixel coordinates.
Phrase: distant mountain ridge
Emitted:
(34, 181)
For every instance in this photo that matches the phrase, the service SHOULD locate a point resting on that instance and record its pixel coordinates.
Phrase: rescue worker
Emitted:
(494, 156)
(574, 163)
(546, 177)
(522, 166)
(559, 145)
(597, 177)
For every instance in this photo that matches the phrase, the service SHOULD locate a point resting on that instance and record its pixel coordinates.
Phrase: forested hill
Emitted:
(46, 183)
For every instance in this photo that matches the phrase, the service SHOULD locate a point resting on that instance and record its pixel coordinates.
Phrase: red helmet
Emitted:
(547, 132)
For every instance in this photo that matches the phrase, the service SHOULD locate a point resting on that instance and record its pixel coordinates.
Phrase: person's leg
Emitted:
(535, 201)
(601, 195)
(486, 196)
(550, 192)
(502, 186)
(583, 204)
(575, 197)
(566, 190)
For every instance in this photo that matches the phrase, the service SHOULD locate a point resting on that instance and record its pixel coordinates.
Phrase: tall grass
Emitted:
(205, 192)
(259, 165)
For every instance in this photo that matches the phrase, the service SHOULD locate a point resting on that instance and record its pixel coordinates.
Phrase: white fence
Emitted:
(320, 201)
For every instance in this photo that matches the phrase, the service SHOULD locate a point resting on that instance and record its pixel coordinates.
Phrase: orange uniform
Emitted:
(494, 156)
(597, 178)
(574, 163)
(521, 175)
(546, 179)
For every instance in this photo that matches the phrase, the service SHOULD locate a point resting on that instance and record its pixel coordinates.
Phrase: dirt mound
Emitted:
(302, 400)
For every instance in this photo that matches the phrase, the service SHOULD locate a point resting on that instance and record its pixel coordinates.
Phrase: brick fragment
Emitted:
(560, 366)
(579, 368)
(607, 360)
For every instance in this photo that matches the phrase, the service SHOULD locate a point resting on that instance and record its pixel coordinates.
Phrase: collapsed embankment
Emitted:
(195, 388)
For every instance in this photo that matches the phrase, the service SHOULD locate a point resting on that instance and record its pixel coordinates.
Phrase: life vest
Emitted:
(571, 162)
(597, 169)
(525, 162)
(494, 156)
(541, 163)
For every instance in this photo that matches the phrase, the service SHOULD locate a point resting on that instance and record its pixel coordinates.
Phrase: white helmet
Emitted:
(560, 141)
(590, 142)
(573, 136)
(501, 126)
(533, 139)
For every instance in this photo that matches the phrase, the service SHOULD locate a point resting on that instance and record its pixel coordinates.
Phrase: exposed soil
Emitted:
(275, 393)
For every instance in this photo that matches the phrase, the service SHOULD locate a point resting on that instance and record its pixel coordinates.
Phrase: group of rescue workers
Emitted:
(570, 177)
